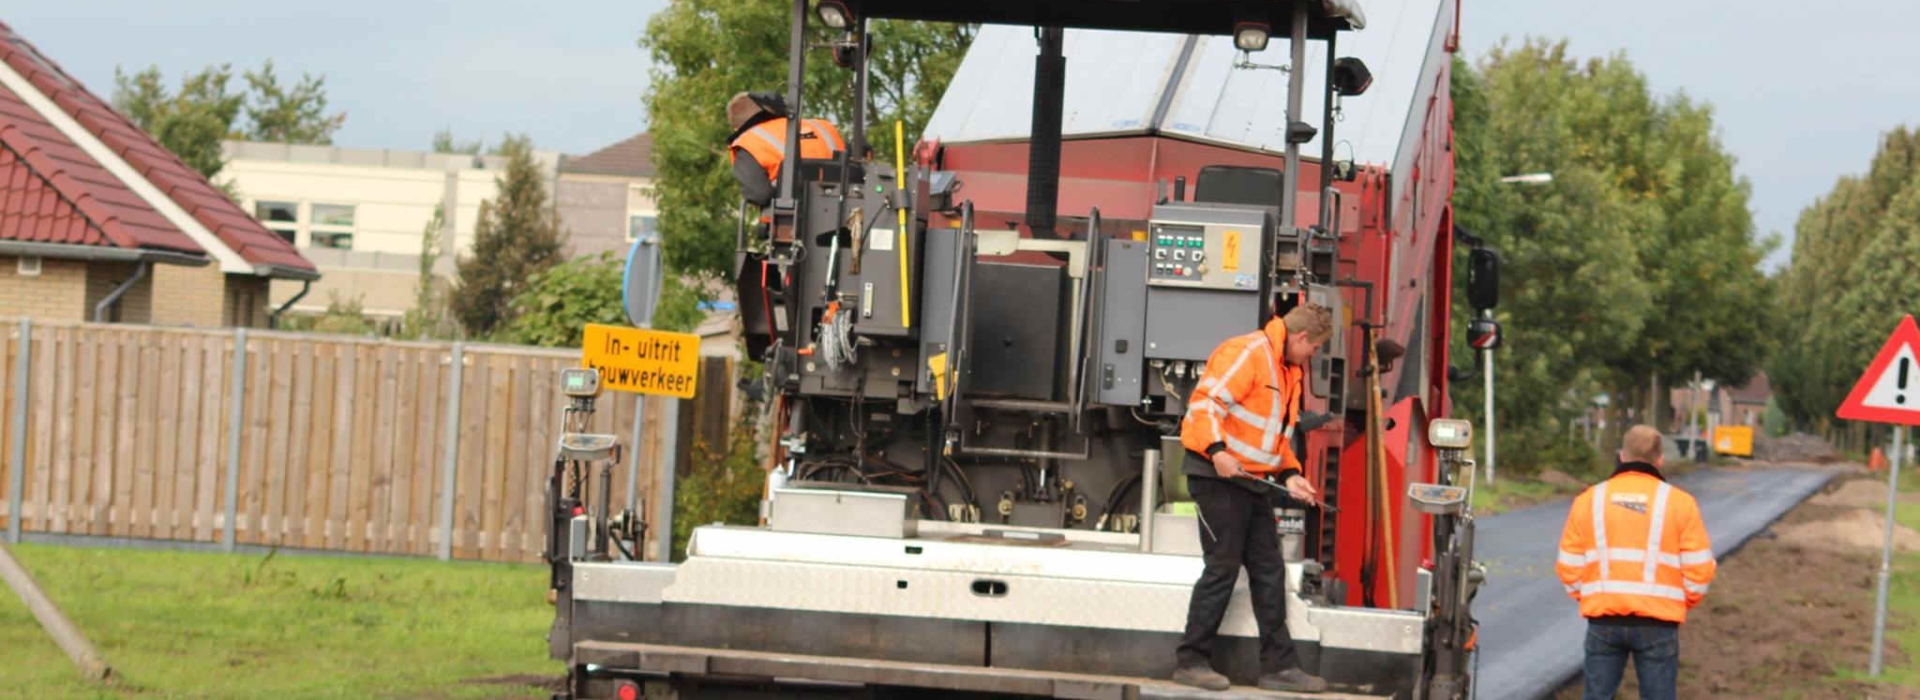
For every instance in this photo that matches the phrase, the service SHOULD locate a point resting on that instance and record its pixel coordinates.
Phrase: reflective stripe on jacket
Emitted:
(1635, 545)
(767, 143)
(1248, 399)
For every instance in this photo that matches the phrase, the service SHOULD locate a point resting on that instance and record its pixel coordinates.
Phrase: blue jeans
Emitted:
(1656, 659)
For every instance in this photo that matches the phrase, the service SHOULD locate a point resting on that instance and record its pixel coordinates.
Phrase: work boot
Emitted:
(1292, 680)
(1201, 676)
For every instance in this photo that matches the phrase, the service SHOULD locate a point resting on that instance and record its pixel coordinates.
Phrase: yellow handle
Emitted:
(900, 180)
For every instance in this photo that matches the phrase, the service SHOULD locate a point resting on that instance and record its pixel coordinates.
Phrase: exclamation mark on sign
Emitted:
(1901, 398)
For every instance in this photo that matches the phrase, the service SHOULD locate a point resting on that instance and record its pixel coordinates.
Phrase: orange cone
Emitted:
(1877, 461)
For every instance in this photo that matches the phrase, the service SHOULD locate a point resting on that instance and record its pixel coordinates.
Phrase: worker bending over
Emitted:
(758, 145)
(1239, 424)
(1635, 554)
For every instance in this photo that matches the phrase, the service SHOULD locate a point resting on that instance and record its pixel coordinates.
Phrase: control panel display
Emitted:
(1179, 252)
(1204, 256)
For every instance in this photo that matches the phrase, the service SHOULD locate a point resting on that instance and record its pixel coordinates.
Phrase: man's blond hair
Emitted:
(1314, 319)
(1640, 444)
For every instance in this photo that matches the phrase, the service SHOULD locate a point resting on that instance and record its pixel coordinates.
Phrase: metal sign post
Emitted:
(1886, 550)
(1888, 392)
(640, 294)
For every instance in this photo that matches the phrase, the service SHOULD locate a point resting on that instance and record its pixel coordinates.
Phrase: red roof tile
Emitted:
(631, 157)
(184, 185)
(51, 192)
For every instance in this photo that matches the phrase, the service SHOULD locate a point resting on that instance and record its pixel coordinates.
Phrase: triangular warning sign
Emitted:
(1889, 391)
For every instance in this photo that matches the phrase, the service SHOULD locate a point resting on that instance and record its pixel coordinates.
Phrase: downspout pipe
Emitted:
(273, 317)
(113, 297)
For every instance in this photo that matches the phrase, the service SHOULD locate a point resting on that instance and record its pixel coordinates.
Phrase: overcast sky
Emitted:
(1802, 90)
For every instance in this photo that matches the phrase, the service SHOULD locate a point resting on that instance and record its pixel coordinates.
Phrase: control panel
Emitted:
(1205, 249)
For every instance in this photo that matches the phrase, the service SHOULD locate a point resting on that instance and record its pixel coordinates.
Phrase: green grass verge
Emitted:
(200, 625)
(1510, 493)
(1903, 599)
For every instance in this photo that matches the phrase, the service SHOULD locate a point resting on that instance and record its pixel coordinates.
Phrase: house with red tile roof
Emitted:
(605, 198)
(99, 222)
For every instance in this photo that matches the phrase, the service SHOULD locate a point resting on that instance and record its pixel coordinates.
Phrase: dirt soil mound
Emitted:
(1561, 480)
(1854, 529)
(1798, 447)
(1857, 493)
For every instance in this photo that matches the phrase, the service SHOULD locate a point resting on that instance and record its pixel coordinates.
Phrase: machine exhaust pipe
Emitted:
(1043, 157)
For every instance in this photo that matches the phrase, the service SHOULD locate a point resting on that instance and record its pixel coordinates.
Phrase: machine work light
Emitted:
(1250, 36)
(835, 14)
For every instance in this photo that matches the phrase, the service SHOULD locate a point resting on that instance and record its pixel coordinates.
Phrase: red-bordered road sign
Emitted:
(1889, 391)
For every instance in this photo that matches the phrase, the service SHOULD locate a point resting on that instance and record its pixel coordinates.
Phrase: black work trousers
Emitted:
(1237, 530)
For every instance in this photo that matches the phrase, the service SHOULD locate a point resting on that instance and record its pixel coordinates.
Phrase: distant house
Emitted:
(361, 213)
(606, 197)
(1747, 405)
(98, 221)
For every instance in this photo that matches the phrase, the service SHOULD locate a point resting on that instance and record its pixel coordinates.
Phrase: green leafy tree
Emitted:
(428, 318)
(296, 114)
(443, 143)
(1844, 289)
(191, 122)
(516, 237)
(705, 51)
(1637, 262)
(558, 304)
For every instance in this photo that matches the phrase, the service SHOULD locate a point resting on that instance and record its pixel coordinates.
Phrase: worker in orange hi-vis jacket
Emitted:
(1240, 423)
(758, 145)
(1635, 553)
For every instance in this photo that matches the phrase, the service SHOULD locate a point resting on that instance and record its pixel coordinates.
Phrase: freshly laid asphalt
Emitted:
(1531, 632)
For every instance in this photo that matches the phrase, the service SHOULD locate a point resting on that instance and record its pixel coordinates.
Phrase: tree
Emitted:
(558, 304)
(516, 237)
(1638, 262)
(705, 51)
(428, 317)
(289, 115)
(443, 143)
(1845, 287)
(193, 121)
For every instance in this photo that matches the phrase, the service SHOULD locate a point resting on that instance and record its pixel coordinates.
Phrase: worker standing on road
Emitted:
(1240, 423)
(1635, 554)
(758, 145)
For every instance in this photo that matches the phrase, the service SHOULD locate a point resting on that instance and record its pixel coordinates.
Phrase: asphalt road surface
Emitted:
(1531, 632)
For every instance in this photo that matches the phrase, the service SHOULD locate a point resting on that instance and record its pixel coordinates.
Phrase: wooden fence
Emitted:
(308, 441)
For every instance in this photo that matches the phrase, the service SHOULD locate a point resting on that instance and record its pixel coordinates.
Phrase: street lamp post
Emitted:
(1486, 314)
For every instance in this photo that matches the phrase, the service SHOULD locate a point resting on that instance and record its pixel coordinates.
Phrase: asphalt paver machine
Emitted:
(973, 484)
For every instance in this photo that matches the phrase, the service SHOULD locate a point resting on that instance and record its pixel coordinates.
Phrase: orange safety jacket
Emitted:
(1247, 402)
(767, 143)
(1635, 545)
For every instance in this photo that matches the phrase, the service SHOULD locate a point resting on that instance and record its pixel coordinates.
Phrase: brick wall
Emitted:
(246, 301)
(58, 293)
(594, 213)
(189, 296)
(135, 306)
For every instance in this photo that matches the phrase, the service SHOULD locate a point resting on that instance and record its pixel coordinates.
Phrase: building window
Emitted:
(280, 217)
(333, 226)
(641, 225)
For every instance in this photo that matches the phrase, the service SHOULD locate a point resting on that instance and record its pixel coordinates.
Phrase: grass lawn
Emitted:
(1491, 498)
(1903, 596)
(200, 625)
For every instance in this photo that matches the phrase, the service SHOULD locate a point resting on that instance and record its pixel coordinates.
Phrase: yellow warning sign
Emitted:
(1230, 251)
(643, 361)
